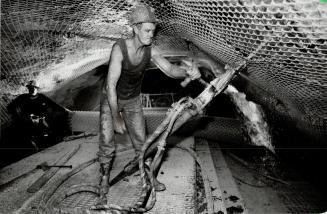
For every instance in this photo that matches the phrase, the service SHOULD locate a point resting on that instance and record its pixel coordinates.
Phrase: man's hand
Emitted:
(192, 70)
(119, 124)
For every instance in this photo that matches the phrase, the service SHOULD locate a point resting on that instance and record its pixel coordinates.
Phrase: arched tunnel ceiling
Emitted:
(44, 39)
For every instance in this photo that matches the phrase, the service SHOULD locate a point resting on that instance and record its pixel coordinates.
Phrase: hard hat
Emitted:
(32, 83)
(142, 13)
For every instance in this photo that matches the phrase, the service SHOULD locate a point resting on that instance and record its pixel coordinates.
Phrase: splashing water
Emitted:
(253, 119)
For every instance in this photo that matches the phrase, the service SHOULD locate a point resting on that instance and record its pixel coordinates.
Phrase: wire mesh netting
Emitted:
(39, 39)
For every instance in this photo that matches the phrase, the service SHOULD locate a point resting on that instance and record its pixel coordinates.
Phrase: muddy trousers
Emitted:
(132, 113)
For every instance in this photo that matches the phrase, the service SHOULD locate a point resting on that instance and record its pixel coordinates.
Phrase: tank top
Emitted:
(130, 81)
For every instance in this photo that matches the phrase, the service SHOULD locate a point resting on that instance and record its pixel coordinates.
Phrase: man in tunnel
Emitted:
(120, 105)
(29, 113)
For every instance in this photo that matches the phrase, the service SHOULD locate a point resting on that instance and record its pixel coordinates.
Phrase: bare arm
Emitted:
(165, 66)
(113, 77)
(190, 70)
(114, 72)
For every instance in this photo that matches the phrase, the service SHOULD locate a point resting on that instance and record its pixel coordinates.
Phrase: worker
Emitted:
(120, 105)
(29, 111)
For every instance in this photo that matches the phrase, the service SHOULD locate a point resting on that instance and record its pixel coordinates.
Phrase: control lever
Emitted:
(187, 80)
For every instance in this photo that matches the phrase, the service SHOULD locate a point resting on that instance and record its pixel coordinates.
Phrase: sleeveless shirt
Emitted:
(130, 80)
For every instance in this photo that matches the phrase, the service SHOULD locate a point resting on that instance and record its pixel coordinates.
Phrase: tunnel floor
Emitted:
(240, 183)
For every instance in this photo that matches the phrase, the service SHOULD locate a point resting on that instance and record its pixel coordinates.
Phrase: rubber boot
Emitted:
(104, 183)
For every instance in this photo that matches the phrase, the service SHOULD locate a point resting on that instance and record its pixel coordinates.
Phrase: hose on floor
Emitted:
(158, 137)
